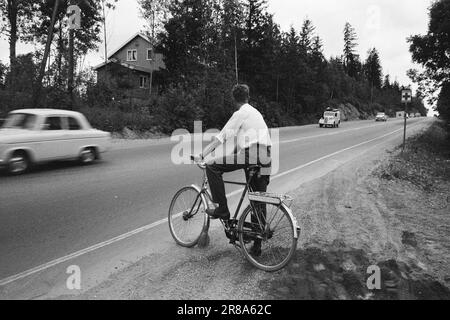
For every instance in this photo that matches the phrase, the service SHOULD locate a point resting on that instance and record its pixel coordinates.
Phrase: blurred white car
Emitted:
(381, 116)
(41, 135)
(331, 118)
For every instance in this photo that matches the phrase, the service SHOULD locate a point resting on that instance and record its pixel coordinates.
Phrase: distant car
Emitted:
(331, 118)
(41, 135)
(381, 116)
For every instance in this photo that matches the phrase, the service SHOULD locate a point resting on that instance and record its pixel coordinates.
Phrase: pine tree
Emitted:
(387, 82)
(351, 60)
(306, 37)
(373, 70)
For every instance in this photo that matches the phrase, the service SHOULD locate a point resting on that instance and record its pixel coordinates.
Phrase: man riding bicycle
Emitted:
(248, 127)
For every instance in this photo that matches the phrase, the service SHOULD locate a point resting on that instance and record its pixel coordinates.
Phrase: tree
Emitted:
(2, 74)
(432, 52)
(232, 33)
(290, 67)
(260, 47)
(50, 23)
(373, 69)
(189, 43)
(105, 6)
(387, 82)
(443, 104)
(306, 37)
(352, 63)
(155, 12)
(16, 14)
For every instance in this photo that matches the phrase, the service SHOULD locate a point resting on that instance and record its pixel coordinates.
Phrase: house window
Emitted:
(143, 82)
(150, 54)
(132, 55)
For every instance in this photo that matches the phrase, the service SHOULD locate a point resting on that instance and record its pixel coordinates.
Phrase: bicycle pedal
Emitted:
(237, 245)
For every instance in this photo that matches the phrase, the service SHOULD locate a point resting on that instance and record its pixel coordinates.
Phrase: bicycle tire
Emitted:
(245, 235)
(177, 215)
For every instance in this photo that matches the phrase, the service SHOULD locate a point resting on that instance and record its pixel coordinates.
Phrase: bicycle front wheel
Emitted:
(267, 236)
(187, 217)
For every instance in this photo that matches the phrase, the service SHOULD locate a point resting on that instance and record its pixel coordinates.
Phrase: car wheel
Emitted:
(19, 163)
(88, 156)
(321, 125)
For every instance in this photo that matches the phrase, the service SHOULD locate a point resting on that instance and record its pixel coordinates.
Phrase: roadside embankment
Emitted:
(393, 213)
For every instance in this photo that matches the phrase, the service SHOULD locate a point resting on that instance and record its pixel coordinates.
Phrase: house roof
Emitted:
(143, 36)
(126, 65)
(123, 64)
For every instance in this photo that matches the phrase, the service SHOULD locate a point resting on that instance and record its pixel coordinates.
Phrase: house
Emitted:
(132, 68)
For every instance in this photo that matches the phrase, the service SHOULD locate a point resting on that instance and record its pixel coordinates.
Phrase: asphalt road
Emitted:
(62, 208)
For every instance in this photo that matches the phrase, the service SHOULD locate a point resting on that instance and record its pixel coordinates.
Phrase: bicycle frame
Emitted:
(204, 192)
(247, 188)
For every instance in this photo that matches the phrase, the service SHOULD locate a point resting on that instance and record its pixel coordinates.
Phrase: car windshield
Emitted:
(20, 121)
(381, 114)
(329, 114)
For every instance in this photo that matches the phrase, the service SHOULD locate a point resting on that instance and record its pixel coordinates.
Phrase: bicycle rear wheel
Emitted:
(271, 230)
(187, 217)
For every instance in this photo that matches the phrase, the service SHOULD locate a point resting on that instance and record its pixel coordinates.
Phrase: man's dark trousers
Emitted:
(256, 155)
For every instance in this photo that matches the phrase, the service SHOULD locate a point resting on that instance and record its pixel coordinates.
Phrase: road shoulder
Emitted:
(383, 214)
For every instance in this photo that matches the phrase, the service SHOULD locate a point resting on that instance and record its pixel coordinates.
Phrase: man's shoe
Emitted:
(217, 214)
(256, 249)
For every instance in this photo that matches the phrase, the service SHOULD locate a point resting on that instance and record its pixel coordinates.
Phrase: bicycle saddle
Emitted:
(254, 167)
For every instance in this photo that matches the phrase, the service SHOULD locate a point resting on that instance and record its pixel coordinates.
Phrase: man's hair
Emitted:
(241, 93)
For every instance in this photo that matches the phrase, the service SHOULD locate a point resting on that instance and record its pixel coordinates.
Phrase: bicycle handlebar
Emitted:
(200, 164)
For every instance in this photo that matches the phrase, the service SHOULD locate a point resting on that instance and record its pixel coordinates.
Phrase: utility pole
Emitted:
(406, 98)
(70, 82)
(236, 58)
(106, 42)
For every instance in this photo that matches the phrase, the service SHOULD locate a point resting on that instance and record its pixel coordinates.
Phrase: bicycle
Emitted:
(268, 220)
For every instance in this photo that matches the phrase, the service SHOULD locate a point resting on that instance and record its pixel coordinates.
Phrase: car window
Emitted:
(53, 123)
(20, 121)
(74, 124)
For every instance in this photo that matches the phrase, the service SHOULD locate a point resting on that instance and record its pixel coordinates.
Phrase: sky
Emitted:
(384, 24)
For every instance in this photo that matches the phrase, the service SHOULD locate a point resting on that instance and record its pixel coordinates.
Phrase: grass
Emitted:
(425, 161)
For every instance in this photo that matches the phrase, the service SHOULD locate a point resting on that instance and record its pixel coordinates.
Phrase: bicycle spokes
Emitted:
(268, 236)
(187, 217)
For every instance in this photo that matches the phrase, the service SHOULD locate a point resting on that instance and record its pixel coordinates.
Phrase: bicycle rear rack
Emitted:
(271, 198)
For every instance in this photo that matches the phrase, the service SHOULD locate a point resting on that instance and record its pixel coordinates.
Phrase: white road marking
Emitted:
(330, 134)
(127, 235)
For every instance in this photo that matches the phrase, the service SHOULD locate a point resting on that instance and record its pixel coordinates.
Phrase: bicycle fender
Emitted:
(294, 220)
(202, 195)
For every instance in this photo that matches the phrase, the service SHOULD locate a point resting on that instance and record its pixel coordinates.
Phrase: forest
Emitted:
(208, 46)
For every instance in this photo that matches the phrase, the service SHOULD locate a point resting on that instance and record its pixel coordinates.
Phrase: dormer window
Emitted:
(132, 55)
(150, 54)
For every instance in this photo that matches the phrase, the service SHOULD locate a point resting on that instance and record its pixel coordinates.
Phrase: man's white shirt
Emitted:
(248, 126)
